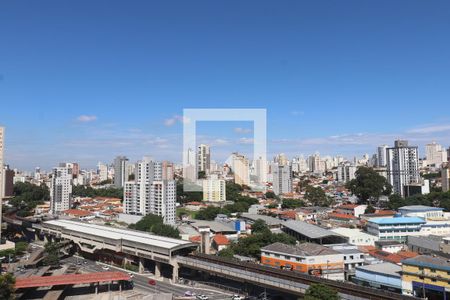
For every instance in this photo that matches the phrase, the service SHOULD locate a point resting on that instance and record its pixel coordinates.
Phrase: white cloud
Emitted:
(86, 118)
(176, 118)
(242, 130)
(430, 129)
(245, 141)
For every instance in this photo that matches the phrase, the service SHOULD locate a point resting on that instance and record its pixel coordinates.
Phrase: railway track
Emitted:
(344, 288)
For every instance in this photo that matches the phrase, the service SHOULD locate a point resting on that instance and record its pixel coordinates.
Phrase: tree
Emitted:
(316, 196)
(227, 252)
(155, 224)
(209, 213)
(21, 247)
(87, 191)
(270, 195)
(259, 226)
(369, 185)
(51, 254)
(7, 289)
(185, 197)
(370, 209)
(319, 291)
(292, 203)
(27, 196)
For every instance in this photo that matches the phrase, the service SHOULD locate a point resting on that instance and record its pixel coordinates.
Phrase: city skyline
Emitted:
(97, 91)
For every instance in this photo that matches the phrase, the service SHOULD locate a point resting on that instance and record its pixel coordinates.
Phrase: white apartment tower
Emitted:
(381, 156)
(346, 172)
(445, 172)
(2, 136)
(153, 190)
(435, 154)
(102, 171)
(402, 166)
(260, 170)
(189, 168)
(282, 179)
(61, 189)
(214, 189)
(120, 171)
(240, 168)
(203, 159)
(315, 164)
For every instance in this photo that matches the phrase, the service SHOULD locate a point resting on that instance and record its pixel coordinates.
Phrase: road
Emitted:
(141, 282)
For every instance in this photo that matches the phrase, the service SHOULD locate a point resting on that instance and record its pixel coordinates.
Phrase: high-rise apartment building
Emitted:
(381, 156)
(102, 171)
(402, 166)
(435, 154)
(61, 189)
(240, 168)
(2, 136)
(315, 164)
(8, 182)
(203, 158)
(190, 167)
(445, 172)
(120, 171)
(214, 189)
(282, 179)
(153, 190)
(260, 170)
(346, 172)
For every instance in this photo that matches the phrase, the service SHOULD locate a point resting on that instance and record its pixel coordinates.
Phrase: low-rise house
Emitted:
(432, 244)
(356, 236)
(386, 276)
(395, 258)
(426, 276)
(397, 228)
(308, 258)
(353, 257)
(351, 209)
(78, 214)
(389, 246)
(220, 242)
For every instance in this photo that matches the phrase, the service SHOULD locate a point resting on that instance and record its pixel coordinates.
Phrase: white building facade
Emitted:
(153, 190)
(402, 166)
(61, 189)
(282, 179)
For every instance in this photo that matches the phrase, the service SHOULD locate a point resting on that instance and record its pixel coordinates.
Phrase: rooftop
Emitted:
(418, 208)
(119, 234)
(77, 212)
(304, 249)
(221, 240)
(398, 220)
(387, 243)
(435, 262)
(383, 268)
(309, 230)
(215, 226)
(270, 221)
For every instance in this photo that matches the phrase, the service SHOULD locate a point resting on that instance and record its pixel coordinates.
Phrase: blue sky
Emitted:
(88, 80)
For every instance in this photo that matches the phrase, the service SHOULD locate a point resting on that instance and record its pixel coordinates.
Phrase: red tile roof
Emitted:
(341, 216)
(195, 239)
(348, 206)
(221, 240)
(395, 258)
(77, 212)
